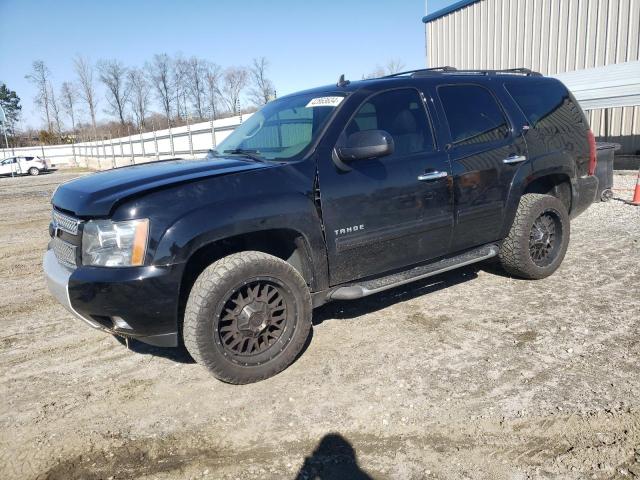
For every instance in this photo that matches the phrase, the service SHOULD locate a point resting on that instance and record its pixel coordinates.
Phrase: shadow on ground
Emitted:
(345, 310)
(334, 458)
(177, 354)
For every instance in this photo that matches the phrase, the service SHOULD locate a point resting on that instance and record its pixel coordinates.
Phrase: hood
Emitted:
(95, 195)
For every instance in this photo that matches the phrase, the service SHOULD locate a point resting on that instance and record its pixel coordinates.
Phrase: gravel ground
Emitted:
(469, 375)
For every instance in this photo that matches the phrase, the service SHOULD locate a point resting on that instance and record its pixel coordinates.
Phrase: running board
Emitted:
(369, 287)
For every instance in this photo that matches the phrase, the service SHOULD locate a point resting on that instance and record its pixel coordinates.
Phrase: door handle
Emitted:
(515, 159)
(425, 177)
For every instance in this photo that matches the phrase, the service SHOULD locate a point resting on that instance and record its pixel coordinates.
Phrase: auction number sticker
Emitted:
(325, 102)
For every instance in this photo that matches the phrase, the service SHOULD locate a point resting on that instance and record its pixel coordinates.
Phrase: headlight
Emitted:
(114, 244)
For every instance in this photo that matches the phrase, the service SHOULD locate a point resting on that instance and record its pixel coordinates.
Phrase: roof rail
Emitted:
(508, 71)
(454, 71)
(425, 70)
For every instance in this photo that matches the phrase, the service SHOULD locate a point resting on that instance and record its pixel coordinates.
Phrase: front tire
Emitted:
(247, 317)
(33, 171)
(538, 239)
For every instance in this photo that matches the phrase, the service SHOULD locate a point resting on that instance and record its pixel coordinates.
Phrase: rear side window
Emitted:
(544, 103)
(473, 114)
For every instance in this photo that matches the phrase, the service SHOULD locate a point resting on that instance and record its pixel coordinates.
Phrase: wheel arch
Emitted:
(557, 179)
(287, 244)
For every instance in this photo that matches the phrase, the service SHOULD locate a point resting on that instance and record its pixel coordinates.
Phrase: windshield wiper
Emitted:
(246, 153)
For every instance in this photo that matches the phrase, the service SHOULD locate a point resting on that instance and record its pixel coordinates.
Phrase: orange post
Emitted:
(636, 193)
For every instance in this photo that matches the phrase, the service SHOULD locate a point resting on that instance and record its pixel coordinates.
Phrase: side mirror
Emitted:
(366, 144)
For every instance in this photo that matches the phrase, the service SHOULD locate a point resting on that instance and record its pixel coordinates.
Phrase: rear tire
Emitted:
(33, 171)
(538, 239)
(247, 317)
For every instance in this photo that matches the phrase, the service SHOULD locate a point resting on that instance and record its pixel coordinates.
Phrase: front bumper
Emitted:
(136, 302)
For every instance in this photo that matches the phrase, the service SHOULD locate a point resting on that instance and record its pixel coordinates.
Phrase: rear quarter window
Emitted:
(547, 105)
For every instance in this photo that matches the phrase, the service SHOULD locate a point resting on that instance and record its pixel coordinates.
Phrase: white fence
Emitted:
(188, 141)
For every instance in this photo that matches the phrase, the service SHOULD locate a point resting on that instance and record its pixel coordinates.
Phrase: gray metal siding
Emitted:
(549, 36)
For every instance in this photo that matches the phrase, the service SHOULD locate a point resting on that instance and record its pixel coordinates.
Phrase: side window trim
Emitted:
(434, 138)
(506, 117)
(517, 104)
(380, 92)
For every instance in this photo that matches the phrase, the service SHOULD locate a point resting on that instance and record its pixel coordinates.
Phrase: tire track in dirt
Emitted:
(597, 444)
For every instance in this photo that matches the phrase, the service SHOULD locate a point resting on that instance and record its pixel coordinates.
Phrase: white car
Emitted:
(23, 165)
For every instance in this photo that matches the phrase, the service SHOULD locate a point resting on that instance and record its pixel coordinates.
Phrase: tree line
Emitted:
(165, 91)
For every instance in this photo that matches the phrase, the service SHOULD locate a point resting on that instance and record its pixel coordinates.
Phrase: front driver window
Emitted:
(401, 114)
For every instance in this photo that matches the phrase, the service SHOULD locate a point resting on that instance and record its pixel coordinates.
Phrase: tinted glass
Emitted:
(540, 100)
(283, 128)
(473, 114)
(401, 114)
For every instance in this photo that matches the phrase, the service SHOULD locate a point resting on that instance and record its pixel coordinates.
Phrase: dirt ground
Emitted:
(468, 375)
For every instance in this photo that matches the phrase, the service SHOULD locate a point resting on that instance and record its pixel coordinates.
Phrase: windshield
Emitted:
(282, 129)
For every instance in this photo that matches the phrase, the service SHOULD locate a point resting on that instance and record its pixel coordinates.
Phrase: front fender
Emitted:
(214, 222)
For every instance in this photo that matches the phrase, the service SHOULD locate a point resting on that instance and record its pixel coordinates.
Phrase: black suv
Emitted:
(333, 193)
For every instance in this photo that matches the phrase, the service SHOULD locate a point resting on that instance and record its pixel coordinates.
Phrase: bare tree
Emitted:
(139, 96)
(212, 80)
(180, 80)
(234, 80)
(196, 70)
(394, 65)
(375, 73)
(113, 74)
(39, 76)
(55, 110)
(68, 100)
(159, 72)
(262, 88)
(84, 70)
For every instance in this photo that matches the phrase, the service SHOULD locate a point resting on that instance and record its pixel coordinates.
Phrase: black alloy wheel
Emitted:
(253, 320)
(543, 244)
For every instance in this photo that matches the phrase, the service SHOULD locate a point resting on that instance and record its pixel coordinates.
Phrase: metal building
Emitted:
(549, 36)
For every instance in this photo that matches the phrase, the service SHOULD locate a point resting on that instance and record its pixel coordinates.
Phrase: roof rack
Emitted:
(452, 70)
(508, 71)
(413, 72)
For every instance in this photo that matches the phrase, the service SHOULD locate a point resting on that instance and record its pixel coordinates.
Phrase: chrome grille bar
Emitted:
(65, 223)
(65, 252)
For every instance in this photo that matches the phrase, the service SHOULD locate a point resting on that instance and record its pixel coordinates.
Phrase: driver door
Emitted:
(387, 213)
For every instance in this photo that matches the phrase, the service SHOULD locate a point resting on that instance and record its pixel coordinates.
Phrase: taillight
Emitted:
(593, 158)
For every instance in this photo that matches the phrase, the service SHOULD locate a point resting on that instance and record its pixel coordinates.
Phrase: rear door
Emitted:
(25, 163)
(485, 151)
(389, 212)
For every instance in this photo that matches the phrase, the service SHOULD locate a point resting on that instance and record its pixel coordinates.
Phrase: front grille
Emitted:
(65, 252)
(65, 238)
(65, 223)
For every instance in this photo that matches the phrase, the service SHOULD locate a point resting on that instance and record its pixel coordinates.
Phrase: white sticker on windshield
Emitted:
(325, 102)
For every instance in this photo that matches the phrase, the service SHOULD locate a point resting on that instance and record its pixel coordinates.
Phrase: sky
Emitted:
(307, 42)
